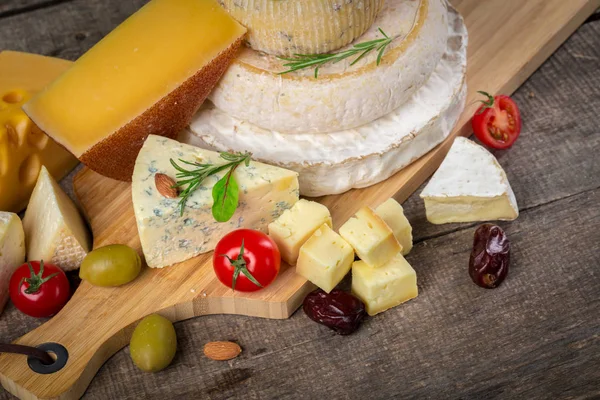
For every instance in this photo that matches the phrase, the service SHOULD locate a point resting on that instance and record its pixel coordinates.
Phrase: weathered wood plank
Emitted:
(14, 7)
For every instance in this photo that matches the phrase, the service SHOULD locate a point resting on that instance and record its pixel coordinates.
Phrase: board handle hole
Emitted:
(59, 354)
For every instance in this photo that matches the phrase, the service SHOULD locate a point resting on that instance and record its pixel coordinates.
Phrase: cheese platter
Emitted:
(170, 213)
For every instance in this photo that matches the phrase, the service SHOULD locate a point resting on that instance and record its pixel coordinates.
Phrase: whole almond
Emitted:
(165, 186)
(222, 351)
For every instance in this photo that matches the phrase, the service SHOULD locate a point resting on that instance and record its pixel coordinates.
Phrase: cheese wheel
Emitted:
(343, 96)
(288, 27)
(354, 158)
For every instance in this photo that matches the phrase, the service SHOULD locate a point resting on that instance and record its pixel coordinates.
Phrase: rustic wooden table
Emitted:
(536, 337)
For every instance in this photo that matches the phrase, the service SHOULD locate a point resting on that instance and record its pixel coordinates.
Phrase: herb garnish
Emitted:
(301, 61)
(225, 193)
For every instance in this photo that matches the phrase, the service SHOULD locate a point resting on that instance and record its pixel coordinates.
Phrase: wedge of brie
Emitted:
(469, 186)
(12, 251)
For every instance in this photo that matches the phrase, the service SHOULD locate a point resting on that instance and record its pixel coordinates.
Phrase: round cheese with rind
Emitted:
(343, 96)
(336, 162)
(288, 27)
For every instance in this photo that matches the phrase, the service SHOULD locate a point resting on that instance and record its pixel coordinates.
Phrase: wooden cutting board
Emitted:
(509, 39)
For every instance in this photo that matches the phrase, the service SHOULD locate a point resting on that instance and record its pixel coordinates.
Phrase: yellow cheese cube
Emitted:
(371, 238)
(392, 214)
(293, 228)
(325, 258)
(385, 287)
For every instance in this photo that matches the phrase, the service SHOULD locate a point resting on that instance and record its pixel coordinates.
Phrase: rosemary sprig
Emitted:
(193, 178)
(301, 61)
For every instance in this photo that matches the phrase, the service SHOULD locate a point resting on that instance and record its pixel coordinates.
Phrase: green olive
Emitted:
(113, 265)
(153, 344)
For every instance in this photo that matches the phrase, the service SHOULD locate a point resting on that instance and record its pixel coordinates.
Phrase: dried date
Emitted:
(337, 310)
(488, 265)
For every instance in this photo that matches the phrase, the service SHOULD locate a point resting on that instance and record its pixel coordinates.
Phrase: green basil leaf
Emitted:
(225, 196)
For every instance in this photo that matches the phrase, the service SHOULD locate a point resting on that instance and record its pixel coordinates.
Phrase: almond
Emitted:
(222, 351)
(165, 186)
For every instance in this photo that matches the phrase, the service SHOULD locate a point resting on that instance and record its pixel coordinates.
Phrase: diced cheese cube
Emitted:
(325, 258)
(293, 228)
(371, 238)
(12, 251)
(385, 287)
(392, 214)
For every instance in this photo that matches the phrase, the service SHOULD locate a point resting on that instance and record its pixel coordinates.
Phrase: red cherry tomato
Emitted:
(39, 290)
(246, 260)
(497, 123)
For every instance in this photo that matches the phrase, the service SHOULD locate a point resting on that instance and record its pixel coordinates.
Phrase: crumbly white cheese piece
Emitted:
(336, 162)
(469, 186)
(168, 237)
(12, 251)
(302, 26)
(373, 241)
(383, 288)
(344, 96)
(55, 231)
(392, 213)
(325, 258)
(293, 228)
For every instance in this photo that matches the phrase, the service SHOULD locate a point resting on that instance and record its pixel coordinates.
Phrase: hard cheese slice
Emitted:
(148, 76)
(12, 251)
(469, 186)
(24, 148)
(166, 236)
(55, 231)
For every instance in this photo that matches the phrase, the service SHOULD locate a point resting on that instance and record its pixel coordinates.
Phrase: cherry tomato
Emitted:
(497, 123)
(39, 290)
(246, 260)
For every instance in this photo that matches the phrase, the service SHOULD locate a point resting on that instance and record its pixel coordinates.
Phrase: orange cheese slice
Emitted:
(149, 76)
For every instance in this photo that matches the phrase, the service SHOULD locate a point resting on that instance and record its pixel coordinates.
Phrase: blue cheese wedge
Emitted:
(392, 213)
(12, 251)
(469, 186)
(168, 237)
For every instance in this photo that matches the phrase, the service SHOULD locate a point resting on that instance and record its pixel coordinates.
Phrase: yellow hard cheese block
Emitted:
(325, 258)
(12, 251)
(371, 238)
(24, 148)
(385, 287)
(392, 214)
(293, 228)
(149, 76)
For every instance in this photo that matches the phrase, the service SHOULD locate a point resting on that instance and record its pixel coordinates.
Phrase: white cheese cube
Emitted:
(55, 232)
(12, 251)
(392, 213)
(371, 238)
(325, 258)
(293, 228)
(385, 287)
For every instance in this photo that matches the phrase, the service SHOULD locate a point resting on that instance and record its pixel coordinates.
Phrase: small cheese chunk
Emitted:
(385, 287)
(371, 238)
(55, 231)
(325, 258)
(295, 226)
(12, 251)
(392, 214)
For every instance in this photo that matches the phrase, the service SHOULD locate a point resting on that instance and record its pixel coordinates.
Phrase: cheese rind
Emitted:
(12, 251)
(148, 76)
(166, 236)
(293, 228)
(383, 288)
(325, 258)
(470, 185)
(302, 26)
(371, 238)
(55, 232)
(392, 213)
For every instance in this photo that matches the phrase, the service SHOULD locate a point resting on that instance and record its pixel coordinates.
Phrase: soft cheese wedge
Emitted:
(325, 258)
(12, 251)
(469, 186)
(392, 213)
(166, 236)
(293, 228)
(55, 232)
(148, 76)
(383, 288)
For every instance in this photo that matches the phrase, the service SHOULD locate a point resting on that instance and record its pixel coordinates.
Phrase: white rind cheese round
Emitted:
(343, 96)
(336, 162)
(288, 27)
